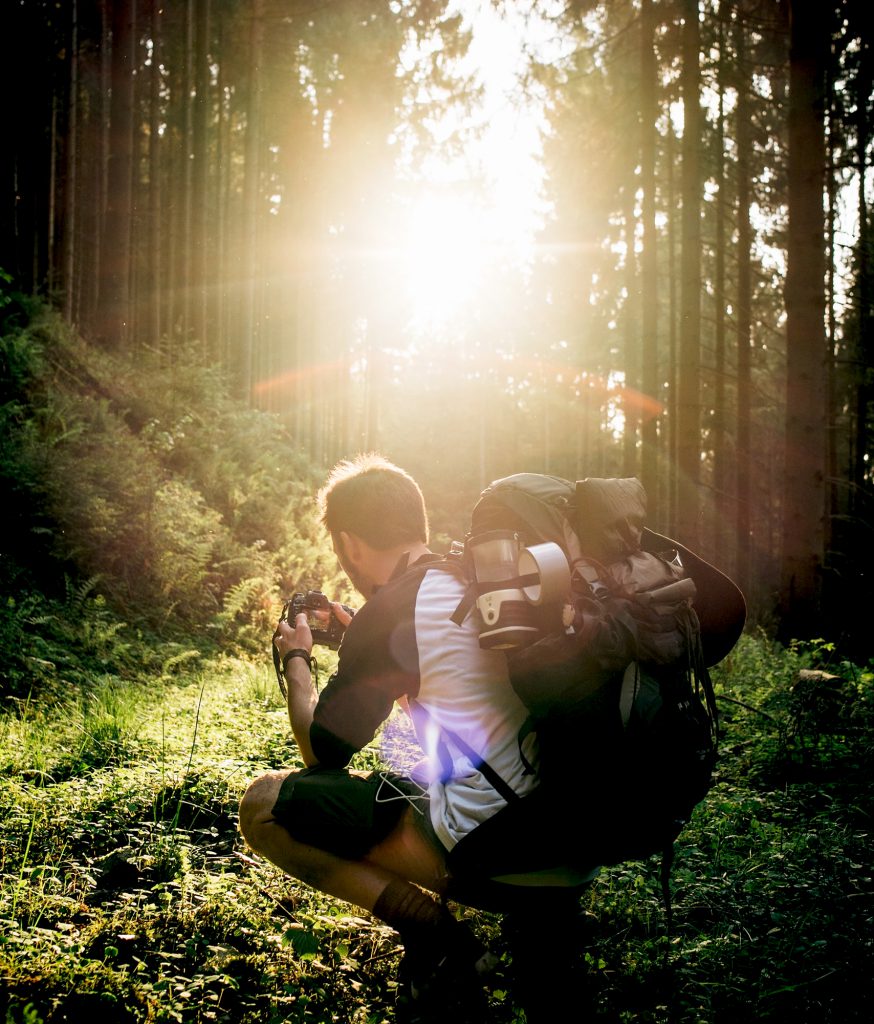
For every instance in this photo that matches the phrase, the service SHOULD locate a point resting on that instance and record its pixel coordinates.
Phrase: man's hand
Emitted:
(287, 639)
(340, 613)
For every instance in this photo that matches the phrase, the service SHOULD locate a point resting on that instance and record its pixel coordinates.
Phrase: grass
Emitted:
(127, 891)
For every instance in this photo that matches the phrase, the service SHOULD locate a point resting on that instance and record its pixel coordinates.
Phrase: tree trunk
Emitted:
(201, 161)
(864, 375)
(153, 320)
(250, 227)
(631, 396)
(71, 196)
(718, 405)
(689, 397)
(115, 260)
(219, 260)
(805, 443)
(743, 453)
(649, 257)
(185, 274)
(673, 415)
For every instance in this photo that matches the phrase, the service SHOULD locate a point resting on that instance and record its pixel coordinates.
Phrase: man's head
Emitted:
(373, 510)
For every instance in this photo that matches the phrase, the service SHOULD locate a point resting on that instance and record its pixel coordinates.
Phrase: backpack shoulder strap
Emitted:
(496, 781)
(454, 562)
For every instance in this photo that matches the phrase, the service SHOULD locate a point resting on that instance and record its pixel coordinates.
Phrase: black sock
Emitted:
(411, 912)
(427, 929)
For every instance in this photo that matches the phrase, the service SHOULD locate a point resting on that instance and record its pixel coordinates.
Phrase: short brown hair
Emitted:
(374, 499)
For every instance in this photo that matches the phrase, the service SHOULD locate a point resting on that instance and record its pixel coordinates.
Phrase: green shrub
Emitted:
(192, 512)
(804, 714)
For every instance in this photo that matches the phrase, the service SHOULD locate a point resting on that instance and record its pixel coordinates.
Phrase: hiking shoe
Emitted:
(443, 981)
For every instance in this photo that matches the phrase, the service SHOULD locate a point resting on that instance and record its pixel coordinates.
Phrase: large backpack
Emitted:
(617, 684)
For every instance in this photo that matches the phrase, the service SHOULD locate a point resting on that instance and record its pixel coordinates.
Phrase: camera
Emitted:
(326, 628)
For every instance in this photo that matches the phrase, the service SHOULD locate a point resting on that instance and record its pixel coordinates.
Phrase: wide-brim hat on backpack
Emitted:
(719, 603)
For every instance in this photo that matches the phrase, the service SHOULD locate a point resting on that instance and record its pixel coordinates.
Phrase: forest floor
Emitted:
(128, 894)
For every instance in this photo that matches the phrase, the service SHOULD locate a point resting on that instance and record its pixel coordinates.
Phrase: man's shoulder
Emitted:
(393, 610)
(407, 581)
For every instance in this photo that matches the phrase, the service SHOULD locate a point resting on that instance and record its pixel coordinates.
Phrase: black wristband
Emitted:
(297, 652)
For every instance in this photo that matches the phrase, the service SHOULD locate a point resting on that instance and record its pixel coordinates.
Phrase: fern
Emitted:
(151, 501)
(176, 660)
(249, 612)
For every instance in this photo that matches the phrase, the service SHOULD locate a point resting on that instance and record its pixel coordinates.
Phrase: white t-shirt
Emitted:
(403, 642)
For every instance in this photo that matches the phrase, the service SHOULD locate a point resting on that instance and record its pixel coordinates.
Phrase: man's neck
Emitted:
(390, 561)
(416, 551)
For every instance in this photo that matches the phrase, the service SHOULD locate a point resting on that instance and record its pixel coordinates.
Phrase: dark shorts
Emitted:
(347, 815)
(342, 813)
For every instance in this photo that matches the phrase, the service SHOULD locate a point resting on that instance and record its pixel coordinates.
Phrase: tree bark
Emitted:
(743, 316)
(649, 256)
(631, 398)
(717, 406)
(250, 227)
(689, 397)
(805, 442)
(201, 161)
(115, 261)
(71, 196)
(153, 319)
(865, 373)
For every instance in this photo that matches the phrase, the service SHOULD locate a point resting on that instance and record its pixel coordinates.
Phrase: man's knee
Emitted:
(256, 806)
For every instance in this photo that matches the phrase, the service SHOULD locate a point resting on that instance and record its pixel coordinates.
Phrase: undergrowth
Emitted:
(153, 526)
(143, 504)
(128, 892)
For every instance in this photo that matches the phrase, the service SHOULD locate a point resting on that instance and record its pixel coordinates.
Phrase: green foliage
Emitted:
(814, 712)
(54, 644)
(156, 523)
(16, 309)
(179, 509)
(126, 890)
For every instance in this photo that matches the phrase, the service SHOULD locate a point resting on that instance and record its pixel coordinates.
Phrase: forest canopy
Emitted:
(584, 239)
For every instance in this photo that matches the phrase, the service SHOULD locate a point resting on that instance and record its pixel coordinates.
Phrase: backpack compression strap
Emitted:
(474, 590)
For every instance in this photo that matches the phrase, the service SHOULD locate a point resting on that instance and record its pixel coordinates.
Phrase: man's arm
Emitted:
(302, 695)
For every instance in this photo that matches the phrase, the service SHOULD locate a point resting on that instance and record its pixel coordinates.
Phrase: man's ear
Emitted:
(351, 547)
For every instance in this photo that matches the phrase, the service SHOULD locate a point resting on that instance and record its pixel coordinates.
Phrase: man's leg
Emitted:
(405, 854)
(546, 938)
(439, 972)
